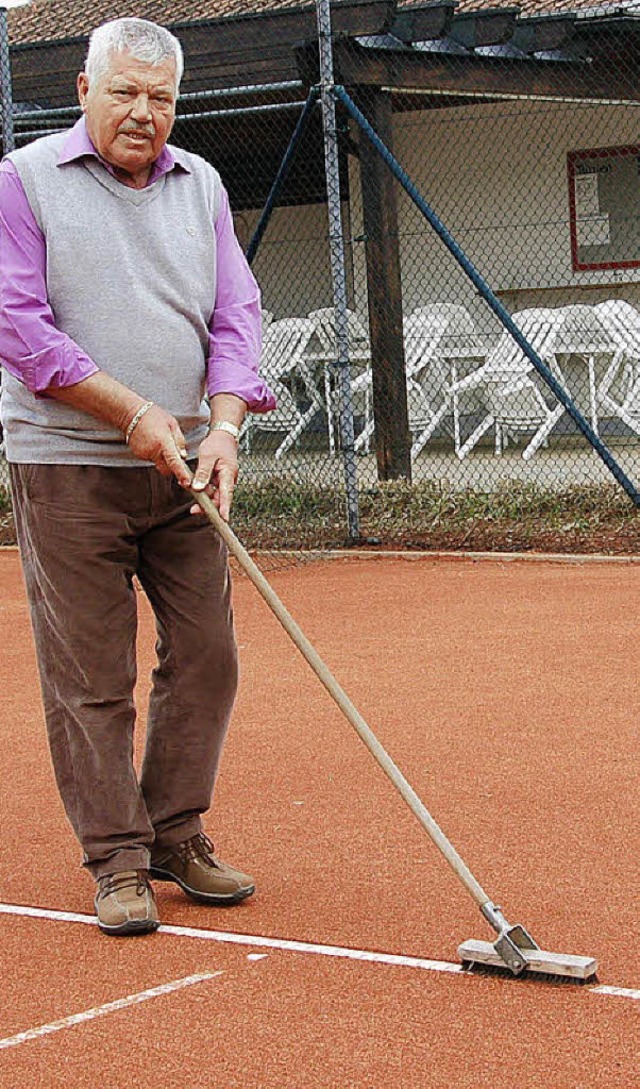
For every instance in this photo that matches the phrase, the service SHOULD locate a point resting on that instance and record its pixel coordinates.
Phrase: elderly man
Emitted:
(129, 338)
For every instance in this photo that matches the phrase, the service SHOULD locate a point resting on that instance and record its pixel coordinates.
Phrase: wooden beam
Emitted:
(384, 291)
(266, 32)
(45, 73)
(606, 78)
(221, 52)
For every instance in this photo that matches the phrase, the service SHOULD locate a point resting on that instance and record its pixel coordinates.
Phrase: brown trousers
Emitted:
(84, 532)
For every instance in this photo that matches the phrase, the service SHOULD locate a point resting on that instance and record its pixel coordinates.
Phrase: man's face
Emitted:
(130, 111)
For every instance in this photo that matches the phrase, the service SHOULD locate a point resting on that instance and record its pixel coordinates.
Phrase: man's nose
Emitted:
(140, 109)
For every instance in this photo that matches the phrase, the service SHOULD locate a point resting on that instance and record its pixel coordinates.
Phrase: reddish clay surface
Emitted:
(507, 694)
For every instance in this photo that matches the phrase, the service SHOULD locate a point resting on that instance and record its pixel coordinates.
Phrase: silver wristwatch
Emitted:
(226, 425)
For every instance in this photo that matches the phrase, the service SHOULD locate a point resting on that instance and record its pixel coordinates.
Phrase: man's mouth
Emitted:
(137, 137)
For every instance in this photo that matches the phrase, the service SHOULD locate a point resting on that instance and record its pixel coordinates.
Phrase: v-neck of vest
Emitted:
(119, 189)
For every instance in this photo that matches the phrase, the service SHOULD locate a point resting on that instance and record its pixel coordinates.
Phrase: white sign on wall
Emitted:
(604, 207)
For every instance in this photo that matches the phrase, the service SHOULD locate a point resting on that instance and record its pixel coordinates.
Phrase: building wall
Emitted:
(293, 262)
(496, 174)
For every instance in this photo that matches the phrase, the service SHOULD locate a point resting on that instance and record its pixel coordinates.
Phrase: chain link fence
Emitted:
(540, 192)
(414, 198)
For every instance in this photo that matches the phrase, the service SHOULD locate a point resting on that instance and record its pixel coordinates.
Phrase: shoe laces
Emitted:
(127, 879)
(199, 846)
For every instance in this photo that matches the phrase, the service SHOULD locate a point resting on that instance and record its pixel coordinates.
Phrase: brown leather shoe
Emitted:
(193, 866)
(125, 903)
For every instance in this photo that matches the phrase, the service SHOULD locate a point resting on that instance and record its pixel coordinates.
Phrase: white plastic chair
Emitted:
(581, 338)
(439, 339)
(440, 342)
(517, 407)
(324, 326)
(619, 390)
(323, 352)
(511, 388)
(512, 397)
(418, 408)
(283, 364)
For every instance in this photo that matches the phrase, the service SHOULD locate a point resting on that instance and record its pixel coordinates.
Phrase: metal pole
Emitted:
(336, 244)
(8, 139)
(45, 118)
(222, 92)
(283, 170)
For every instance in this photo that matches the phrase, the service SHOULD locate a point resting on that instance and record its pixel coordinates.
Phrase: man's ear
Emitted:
(82, 85)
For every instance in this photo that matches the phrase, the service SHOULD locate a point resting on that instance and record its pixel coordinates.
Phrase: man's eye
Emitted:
(122, 94)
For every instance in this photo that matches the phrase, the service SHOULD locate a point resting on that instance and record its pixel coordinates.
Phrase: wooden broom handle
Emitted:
(338, 694)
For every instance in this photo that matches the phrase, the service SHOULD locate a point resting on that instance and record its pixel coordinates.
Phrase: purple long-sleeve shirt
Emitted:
(42, 356)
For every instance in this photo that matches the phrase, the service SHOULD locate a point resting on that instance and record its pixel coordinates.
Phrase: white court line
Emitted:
(109, 1007)
(289, 946)
(618, 992)
(249, 939)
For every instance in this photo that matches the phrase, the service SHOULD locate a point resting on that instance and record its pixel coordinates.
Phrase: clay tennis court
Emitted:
(507, 693)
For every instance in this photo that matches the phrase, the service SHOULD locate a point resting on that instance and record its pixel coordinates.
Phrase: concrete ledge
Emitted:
(415, 555)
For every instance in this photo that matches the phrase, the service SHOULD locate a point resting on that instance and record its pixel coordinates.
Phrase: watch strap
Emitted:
(226, 425)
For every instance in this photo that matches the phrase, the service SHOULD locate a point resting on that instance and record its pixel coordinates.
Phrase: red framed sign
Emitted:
(604, 207)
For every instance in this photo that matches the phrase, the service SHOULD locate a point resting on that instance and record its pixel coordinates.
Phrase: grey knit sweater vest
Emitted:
(131, 278)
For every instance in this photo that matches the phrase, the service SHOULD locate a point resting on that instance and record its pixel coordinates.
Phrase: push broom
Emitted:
(514, 950)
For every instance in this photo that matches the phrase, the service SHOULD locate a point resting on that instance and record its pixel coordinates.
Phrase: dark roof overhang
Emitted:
(495, 52)
(432, 47)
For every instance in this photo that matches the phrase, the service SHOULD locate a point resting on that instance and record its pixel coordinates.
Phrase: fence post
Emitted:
(336, 244)
(8, 139)
(384, 292)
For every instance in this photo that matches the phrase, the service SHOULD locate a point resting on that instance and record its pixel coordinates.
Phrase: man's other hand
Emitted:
(217, 471)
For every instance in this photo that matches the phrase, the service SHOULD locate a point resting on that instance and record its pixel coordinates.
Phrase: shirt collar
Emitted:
(78, 145)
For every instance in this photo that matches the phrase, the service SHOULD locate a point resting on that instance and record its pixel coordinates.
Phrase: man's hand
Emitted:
(217, 471)
(157, 437)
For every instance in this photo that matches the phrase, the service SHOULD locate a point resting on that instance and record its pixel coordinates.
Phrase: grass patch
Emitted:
(425, 506)
(284, 514)
(281, 513)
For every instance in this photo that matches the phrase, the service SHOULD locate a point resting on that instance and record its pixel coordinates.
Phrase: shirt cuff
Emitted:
(59, 366)
(242, 381)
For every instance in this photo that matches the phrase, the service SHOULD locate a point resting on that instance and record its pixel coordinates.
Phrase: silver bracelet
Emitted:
(136, 420)
(226, 425)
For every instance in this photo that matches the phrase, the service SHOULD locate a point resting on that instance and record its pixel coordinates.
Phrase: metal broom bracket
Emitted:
(512, 940)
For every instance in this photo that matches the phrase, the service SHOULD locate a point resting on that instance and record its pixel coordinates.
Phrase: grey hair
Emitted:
(144, 40)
